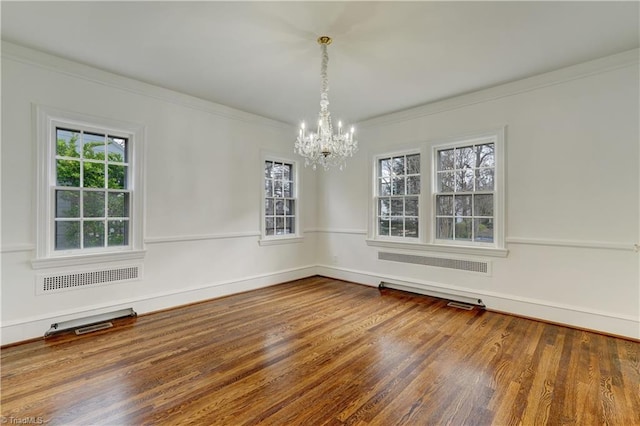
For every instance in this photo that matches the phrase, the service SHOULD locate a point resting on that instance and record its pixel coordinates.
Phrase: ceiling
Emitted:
(262, 57)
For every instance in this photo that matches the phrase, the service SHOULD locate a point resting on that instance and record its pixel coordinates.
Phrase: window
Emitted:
(280, 206)
(443, 196)
(464, 193)
(89, 189)
(398, 196)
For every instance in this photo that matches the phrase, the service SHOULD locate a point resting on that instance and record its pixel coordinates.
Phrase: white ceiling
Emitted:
(262, 57)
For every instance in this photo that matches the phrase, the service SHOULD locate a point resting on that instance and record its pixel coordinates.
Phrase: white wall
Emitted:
(572, 201)
(203, 180)
(572, 217)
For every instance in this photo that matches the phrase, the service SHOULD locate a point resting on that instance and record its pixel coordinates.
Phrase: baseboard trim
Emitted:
(27, 329)
(624, 326)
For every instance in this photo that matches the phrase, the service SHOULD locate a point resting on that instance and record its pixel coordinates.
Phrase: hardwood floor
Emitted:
(322, 351)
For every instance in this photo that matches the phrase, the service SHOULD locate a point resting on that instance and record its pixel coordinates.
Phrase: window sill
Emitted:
(279, 240)
(86, 259)
(475, 251)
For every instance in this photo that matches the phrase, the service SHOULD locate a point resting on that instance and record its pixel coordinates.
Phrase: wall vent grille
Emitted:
(440, 262)
(73, 280)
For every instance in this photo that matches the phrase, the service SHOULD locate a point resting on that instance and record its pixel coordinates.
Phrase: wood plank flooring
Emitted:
(321, 351)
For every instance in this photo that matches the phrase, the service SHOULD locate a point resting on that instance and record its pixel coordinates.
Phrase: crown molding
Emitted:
(597, 66)
(60, 65)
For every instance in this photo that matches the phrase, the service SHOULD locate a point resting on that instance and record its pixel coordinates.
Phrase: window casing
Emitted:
(89, 189)
(461, 199)
(280, 207)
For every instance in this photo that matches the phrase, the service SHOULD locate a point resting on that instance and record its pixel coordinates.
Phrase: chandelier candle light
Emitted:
(325, 147)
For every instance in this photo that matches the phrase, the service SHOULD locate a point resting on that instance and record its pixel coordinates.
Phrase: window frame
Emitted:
(427, 205)
(47, 121)
(276, 239)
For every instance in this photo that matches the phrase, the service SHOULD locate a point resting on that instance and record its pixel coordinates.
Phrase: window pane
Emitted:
(269, 225)
(385, 187)
(411, 206)
(398, 186)
(444, 205)
(118, 232)
(446, 182)
(277, 188)
(93, 175)
(68, 173)
(444, 228)
(286, 172)
(483, 205)
(462, 204)
(290, 224)
(117, 149)
(397, 226)
(384, 206)
(484, 180)
(398, 165)
(93, 231)
(445, 159)
(269, 206)
(117, 176)
(396, 207)
(286, 189)
(464, 180)
(93, 204)
(268, 167)
(383, 227)
(67, 144)
(268, 188)
(67, 235)
(279, 225)
(485, 155)
(67, 203)
(384, 169)
(411, 228)
(94, 146)
(483, 230)
(277, 171)
(413, 185)
(413, 164)
(465, 158)
(463, 229)
(118, 204)
(290, 208)
(280, 207)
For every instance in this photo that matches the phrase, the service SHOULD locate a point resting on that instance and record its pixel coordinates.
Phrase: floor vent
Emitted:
(440, 262)
(459, 305)
(50, 283)
(92, 328)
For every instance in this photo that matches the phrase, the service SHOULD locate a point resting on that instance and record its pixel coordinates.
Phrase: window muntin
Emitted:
(398, 196)
(465, 193)
(280, 200)
(91, 193)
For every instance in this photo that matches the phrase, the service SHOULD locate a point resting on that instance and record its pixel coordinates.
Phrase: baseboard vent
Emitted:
(50, 283)
(87, 322)
(454, 299)
(440, 262)
(92, 328)
(465, 306)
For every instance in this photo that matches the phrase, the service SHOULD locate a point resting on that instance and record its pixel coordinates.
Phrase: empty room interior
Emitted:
(306, 213)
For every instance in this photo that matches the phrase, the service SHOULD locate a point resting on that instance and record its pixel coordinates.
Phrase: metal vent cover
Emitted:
(482, 267)
(52, 283)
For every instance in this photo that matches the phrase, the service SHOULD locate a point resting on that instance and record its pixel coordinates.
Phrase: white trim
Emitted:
(87, 259)
(200, 237)
(563, 75)
(603, 245)
(278, 241)
(15, 248)
(604, 321)
(35, 326)
(59, 65)
(439, 248)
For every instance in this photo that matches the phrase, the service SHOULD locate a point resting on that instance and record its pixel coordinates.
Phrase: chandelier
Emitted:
(324, 147)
